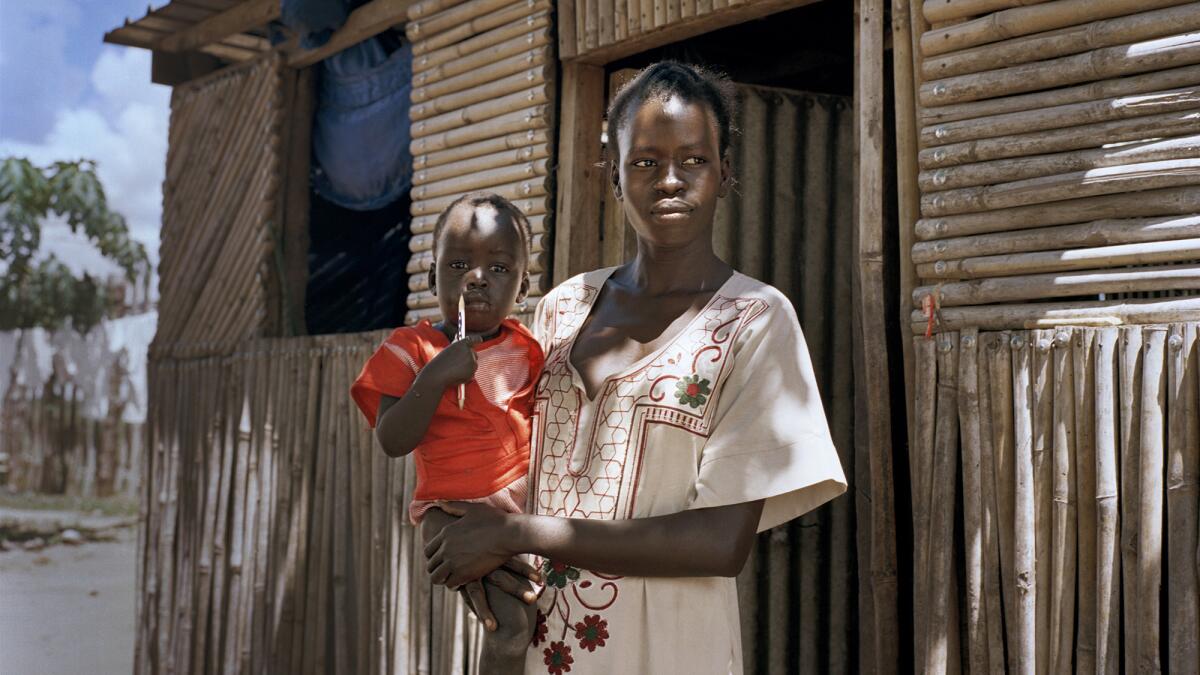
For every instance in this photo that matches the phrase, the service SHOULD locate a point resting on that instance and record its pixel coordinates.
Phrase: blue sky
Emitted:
(64, 94)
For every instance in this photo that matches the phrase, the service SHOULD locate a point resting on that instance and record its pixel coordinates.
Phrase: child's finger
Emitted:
(477, 598)
(516, 586)
(524, 569)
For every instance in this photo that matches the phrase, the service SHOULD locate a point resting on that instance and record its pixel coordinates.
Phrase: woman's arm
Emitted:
(402, 422)
(701, 542)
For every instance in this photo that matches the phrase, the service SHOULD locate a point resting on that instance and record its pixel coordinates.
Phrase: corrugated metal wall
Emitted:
(789, 222)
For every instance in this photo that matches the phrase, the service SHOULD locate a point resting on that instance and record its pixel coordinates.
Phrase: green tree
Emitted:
(44, 292)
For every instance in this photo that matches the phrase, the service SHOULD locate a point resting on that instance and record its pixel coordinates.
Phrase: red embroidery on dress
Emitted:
(591, 632)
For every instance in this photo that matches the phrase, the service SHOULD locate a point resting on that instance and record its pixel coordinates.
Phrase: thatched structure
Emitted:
(1023, 169)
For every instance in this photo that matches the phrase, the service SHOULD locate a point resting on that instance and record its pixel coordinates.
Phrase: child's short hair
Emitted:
(665, 79)
(502, 206)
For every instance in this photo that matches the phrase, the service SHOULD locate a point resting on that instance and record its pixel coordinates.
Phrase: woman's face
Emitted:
(671, 171)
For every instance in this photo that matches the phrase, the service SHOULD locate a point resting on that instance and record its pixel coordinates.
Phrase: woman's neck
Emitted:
(688, 269)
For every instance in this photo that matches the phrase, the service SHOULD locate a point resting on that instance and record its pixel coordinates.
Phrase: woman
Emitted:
(677, 416)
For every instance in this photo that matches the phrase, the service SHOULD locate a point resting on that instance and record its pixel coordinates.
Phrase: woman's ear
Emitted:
(614, 177)
(432, 277)
(726, 175)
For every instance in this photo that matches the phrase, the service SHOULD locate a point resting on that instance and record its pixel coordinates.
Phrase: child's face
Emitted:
(671, 171)
(481, 256)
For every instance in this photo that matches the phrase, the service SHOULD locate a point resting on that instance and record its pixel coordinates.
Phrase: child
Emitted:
(409, 390)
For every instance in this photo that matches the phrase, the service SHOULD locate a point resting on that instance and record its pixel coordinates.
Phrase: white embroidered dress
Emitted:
(726, 412)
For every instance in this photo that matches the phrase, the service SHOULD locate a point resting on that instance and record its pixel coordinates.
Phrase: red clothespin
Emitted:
(929, 306)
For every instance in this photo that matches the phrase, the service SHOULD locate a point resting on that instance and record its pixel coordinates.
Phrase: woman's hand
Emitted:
(470, 547)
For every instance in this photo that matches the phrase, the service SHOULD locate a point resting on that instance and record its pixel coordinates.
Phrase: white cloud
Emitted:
(124, 129)
(36, 77)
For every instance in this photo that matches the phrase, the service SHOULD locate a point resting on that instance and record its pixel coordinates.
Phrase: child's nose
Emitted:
(670, 181)
(476, 278)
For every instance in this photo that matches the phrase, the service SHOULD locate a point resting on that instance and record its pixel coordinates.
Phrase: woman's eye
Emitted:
(643, 163)
(694, 160)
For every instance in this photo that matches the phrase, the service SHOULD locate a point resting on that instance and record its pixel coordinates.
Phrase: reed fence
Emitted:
(1048, 156)
(274, 534)
(482, 105)
(219, 204)
(1077, 454)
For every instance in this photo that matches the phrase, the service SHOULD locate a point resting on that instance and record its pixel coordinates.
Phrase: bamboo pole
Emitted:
(988, 493)
(940, 648)
(524, 195)
(1057, 117)
(1108, 534)
(481, 113)
(908, 194)
(525, 119)
(423, 29)
(426, 8)
(940, 11)
(1045, 315)
(1025, 509)
(972, 480)
(1035, 19)
(1063, 533)
(505, 58)
(1109, 88)
(1084, 383)
(1128, 178)
(1004, 289)
(1060, 140)
(482, 91)
(1151, 496)
(456, 161)
(1174, 201)
(307, 507)
(454, 92)
(1098, 233)
(1129, 399)
(1018, 168)
(1069, 40)
(605, 18)
(925, 392)
(520, 20)
(1058, 261)
(1183, 457)
(1043, 488)
(485, 178)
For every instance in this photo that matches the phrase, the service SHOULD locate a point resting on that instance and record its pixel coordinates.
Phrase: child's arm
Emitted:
(402, 422)
(700, 542)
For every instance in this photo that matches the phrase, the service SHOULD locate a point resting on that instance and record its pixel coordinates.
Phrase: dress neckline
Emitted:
(577, 379)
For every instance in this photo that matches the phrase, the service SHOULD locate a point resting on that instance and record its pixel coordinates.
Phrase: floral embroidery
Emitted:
(558, 574)
(540, 629)
(558, 658)
(591, 632)
(692, 390)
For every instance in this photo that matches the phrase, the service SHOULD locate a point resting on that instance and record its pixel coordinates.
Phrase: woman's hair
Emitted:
(477, 199)
(665, 79)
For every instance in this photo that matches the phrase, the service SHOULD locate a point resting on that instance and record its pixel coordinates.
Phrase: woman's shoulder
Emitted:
(759, 297)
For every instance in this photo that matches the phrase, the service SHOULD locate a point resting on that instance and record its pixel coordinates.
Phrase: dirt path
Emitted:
(69, 609)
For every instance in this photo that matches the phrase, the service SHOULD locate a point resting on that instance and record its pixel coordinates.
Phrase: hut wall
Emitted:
(1073, 453)
(275, 534)
(482, 106)
(1055, 163)
(219, 201)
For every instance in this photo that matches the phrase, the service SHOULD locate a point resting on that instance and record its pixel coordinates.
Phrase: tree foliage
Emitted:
(43, 292)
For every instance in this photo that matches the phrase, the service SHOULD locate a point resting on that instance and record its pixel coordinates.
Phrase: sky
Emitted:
(65, 95)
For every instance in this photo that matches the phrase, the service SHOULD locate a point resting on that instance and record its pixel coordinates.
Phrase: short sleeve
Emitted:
(390, 371)
(770, 439)
(542, 327)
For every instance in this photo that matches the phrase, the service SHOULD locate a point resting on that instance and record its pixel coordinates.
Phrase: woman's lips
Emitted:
(670, 207)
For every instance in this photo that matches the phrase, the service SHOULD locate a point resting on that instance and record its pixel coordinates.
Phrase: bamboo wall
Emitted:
(482, 104)
(274, 533)
(1078, 468)
(1057, 152)
(599, 23)
(219, 200)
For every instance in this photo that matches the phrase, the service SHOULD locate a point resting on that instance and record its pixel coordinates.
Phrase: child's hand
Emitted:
(454, 364)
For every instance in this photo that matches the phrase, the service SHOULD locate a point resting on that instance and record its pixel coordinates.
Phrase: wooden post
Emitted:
(1025, 525)
(1150, 494)
(1063, 542)
(969, 417)
(1085, 493)
(1183, 598)
(907, 193)
(1108, 533)
(580, 178)
(1129, 402)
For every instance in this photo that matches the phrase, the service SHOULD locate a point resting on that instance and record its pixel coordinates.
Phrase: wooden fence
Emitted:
(1078, 467)
(274, 533)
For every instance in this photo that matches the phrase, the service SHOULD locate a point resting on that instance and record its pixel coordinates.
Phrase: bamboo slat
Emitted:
(492, 147)
(1069, 40)
(984, 291)
(1026, 20)
(1070, 259)
(972, 480)
(1151, 496)
(484, 67)
(458, 185)
(1024, 650)
(524, 120)
(925, 392)
(1063, 533)
(528, 153)
(1108, 533)
(1085, 491)
(1006, 170)
(1177, 201)
(1130, 401)
(480, 113)
(519, 23)
(1086, 313)
(939, 11)
(1182, 461)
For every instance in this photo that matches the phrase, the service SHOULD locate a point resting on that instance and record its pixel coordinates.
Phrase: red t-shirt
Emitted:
(473, 452)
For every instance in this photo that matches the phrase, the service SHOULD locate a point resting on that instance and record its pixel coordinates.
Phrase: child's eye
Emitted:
(499, 269)
(643, 163)
(458, 265)
(694, 160)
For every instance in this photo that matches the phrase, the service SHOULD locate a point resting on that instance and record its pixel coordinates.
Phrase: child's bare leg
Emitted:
(503, 650)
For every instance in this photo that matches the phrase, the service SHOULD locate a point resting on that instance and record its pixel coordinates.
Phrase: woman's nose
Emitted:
(669, 181)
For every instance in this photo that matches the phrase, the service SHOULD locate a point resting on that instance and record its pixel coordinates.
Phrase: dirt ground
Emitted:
(69, 609)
